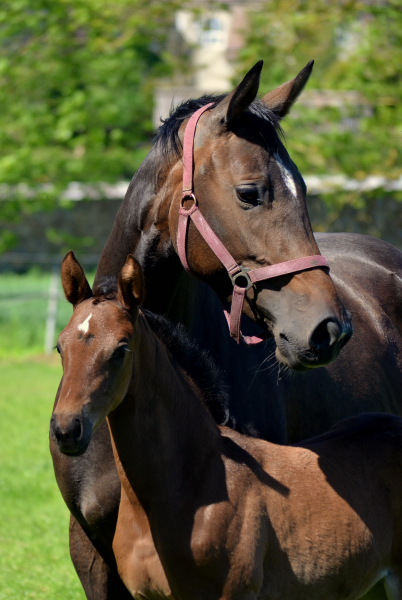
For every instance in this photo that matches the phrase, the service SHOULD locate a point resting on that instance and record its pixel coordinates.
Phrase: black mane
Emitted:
(168, 133)
(197, 363)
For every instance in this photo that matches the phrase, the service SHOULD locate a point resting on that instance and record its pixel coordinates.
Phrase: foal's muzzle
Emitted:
(72, 433)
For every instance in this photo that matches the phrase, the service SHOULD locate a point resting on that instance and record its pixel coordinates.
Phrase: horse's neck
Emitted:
(171, 291)
(162, 433)
(141, 228)
(134, 229)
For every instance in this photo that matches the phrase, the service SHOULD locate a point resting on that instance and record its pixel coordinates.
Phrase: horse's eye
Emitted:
(120, 353)
(57, 347)
(249, 195)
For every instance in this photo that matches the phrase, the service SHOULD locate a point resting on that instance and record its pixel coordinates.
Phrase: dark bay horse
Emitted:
(230, 516)
(253, 196)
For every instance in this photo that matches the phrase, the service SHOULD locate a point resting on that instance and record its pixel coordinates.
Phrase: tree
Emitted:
(357, 47)
(76, 85)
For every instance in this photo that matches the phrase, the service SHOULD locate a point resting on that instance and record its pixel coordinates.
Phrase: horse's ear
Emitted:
(75, 285)
(131, 283)
(281, 99)
(235, 103)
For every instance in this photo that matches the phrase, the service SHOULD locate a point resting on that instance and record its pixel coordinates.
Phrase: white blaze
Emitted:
(287, 176)
(85, 324)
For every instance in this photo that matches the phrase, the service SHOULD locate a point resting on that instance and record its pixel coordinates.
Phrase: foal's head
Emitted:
(96, 349)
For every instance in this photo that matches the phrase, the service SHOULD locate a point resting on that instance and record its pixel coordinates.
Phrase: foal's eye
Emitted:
(57, 347)
(249, 194)
(120, 353)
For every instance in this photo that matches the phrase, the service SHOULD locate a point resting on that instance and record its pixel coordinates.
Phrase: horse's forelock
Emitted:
(106, 289)
(168, 139)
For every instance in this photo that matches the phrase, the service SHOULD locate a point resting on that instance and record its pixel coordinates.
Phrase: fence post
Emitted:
(51, 311)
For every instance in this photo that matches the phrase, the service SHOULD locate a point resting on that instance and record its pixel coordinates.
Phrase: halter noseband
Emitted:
(242, 278)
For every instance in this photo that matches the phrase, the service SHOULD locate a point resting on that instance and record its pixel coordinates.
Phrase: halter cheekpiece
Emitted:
(242, 278)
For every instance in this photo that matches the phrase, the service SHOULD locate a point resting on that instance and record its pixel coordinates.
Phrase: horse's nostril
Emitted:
(333, 331)
(325, 335)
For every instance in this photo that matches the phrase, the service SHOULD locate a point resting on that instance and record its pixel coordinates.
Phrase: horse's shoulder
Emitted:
(350, 248)
(361, 428)
(365, 267)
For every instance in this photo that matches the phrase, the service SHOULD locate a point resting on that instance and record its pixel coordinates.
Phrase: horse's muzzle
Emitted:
(324, 344)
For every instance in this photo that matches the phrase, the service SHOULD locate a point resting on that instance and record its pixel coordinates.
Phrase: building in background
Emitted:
(214, 37)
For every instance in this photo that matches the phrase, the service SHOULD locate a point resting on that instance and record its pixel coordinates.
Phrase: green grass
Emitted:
(34, 555)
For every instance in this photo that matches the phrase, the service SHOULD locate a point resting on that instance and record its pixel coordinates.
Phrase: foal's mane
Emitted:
(196, 363)
(266, 121)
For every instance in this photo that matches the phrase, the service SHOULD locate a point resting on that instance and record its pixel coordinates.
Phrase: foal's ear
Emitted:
(131, 284)
(281, 99)
(235, 103)
(75, 285)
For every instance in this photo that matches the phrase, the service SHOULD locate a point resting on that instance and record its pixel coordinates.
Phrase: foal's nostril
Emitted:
(58, 433)
(78, 429)
(53, 428)
(325, 335)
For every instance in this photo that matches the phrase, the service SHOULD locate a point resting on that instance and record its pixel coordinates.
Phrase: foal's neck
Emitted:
(162, 432)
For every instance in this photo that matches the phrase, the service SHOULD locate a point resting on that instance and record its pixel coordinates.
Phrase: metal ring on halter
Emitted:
(188, 196)
(242, 273)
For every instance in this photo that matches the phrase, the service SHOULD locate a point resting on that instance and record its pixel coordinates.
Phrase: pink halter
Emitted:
(242, 277)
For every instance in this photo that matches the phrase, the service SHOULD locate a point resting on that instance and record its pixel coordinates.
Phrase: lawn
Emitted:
(34, 555)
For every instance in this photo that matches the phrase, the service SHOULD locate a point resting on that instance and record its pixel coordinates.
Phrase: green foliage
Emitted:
(34, 555)
(76, 83)
(65, 242)
(357, 46)
(8, 239)
(76, 91)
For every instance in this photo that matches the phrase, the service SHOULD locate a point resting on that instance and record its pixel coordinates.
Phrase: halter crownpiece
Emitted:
(242, 278)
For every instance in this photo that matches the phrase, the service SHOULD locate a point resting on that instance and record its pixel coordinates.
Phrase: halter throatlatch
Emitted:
(242, 278)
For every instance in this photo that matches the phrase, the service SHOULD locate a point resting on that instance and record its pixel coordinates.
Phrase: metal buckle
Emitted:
(244, 274)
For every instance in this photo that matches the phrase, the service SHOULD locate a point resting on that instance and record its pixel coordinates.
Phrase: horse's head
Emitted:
(254, 198)
(96, 349)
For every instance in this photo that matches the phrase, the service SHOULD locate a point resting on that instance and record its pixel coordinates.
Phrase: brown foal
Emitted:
(208, 513)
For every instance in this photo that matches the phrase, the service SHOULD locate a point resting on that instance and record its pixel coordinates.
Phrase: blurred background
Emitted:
(83, 87)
